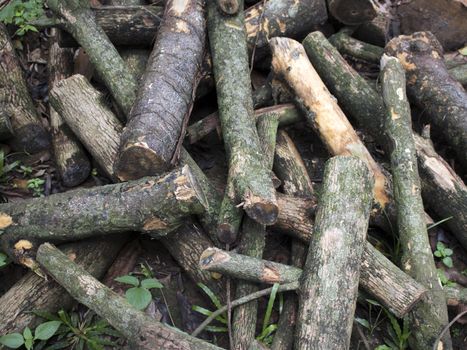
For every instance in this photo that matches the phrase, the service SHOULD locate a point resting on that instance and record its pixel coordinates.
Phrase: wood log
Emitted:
(460, 74)
(354, 47)
(352, 12)
(140, 330)
(376, 31)
(430, 86)
(393, 288)
(250, 179)
(455, 295)
(429, 317)
(150, 142)
(291, 64)
(6, 130)
(229, 7)
(71, 160)
(329, 282)
(444, 18)
(80, 22)
(32, 292)
(348, 86)
(16, 103)
(163, 203)
(252, 243)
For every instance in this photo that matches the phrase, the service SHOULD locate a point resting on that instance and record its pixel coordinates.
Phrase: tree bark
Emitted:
(80, 22)
(429, 84)
(6, 130)
(379, 276)
(139, 329)
(16, 103)
(320, 108)
(460, 74)
(455, 295)
(250, 178)
(352, 12)
(430, 316)
(150, 142)
(163, 204)
(33, 292)
(70, 158)
(354, 47)
(329, 282)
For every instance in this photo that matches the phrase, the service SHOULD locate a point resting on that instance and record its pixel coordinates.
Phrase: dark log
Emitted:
(352, 12)
(329, 282)
(354, 47)
(429, 317)
(442, 189)
(80, 22)
(376, 31)
(378, 275)
(229, 7)
(163, 203)
(34, 293)
(430, 86)
(71, 160)
(140, 330)
(150, 142)
(16, 103)
(444, 18)
(252, 243)
(250, 178)
(84, 110)
(291, 64)
(6, 130)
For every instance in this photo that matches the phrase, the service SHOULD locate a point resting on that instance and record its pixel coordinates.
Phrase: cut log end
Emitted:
(227, 233)
(263, 212)
(138, 160)
(211, 257)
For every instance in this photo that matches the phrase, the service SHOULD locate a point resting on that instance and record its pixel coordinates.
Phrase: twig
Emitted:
(243, 300)
(445, 329)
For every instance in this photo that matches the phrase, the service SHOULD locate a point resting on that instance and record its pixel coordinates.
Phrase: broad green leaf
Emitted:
(27, 334)
(138, 297)
(448, 251)
(447, 261)
(13, 340)
(28, 343)
(438, 254)
(150, 283)
(131, 280)
(46, 330)
(440, 246)
(363, 322)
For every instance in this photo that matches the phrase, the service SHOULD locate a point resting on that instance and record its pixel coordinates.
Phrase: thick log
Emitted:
(80, 22)
(251, 181)
(163, 204)
(16, 103)
(252, 243)
(329, 282)
(33, 292)
(150, 141)
(291, 64)
(229, 7)
(352, 12)
(376, 31)
(84, 110)
(460, 74)
(379, 276)
(136, 60)
(6, 130)
(444, 18)
(455, 295)
(348, 86)
(429, 317)
(71, 160)
(355, 48)
(141, 331)
(430, 86)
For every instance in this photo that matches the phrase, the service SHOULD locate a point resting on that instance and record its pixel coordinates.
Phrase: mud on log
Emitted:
(430, 316)
(33, 292)
(150, 142)
(163, 203)
(141, 331)
(430, 86)
(251, 181)
(16, 103)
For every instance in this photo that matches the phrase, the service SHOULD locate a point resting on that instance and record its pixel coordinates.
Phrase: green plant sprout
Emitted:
(215, 300)
(266, 335)
(139, 295)
(44, 332)
(25, 170)
(444, 254)
(37, 186)
(444, 279)
(22, 13)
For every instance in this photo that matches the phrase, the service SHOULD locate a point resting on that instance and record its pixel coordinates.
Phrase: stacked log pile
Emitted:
(160, 72)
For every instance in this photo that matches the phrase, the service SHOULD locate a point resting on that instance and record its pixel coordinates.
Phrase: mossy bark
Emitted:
(140, 330)
(356, 48)
(163, 203)
(329, 283)
(251, 180)
(460, 74)
(455, 295)
(80, 22)
(429, 317)
(16, 103)
(71, 160)
(151, 139)
(291, 64)
(352, 12)
(33, 292)
(6, 130)
(379, 276)
(430, 86)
